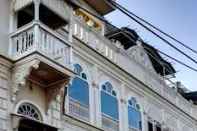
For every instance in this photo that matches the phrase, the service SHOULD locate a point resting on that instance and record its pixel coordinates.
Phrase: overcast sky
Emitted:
(176, 17)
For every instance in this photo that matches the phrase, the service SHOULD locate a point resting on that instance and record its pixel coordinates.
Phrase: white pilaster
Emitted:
(36, 9)
(97, 99)
(123, 115)
(36, 27)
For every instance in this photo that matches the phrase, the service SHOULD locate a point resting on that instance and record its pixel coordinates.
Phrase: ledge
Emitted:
(72, 120)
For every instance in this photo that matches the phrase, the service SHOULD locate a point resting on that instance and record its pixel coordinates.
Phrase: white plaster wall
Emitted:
(4, 25)
(151, 106)
(4, 95)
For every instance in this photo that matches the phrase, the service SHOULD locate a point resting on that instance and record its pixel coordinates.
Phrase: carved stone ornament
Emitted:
(19, 75)
(56, 89)
(140, 56)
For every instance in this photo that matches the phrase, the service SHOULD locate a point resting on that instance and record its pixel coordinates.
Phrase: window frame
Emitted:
(79, 76)
(135, 106)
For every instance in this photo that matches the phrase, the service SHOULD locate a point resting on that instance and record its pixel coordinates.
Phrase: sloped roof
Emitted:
(101, 6)
(191, 96)
(129, 38)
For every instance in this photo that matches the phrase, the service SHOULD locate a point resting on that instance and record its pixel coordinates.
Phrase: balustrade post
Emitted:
(11, 29)
(36, 27)
(36, 9)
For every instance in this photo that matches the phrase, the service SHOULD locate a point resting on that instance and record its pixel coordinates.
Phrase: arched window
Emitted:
(134, 115)
(79, 94)
(30, 111)
(109, 107)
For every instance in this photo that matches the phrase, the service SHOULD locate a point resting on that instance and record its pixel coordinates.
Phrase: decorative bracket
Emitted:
(56, 90)
(19, 75)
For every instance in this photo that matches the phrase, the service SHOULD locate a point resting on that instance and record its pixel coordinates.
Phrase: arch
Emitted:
(109, 83)
(134, 114)
(29, 110)
(42, 112)
(110, 116)
(78, 93)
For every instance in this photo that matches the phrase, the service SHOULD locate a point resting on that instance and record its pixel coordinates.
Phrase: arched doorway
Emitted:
(31, 119)
(30, 125)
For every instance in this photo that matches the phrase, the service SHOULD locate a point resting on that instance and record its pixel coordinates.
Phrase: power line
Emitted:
(174, 59)
(164, 40)
(102, 19)
(156, 28)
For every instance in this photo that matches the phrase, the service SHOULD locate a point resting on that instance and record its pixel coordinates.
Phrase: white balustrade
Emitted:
(128, 63)
(49, 44)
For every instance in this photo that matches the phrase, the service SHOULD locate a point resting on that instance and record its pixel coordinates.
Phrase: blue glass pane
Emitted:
(104, 87)
(79, 91)
(83, 75)
(109, 105)
(77, 69)
(134, 101)
(130, 103)
(108, 86)
(113, 93)
(134, 118)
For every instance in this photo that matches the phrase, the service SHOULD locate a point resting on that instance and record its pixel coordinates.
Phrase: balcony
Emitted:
(36, 37)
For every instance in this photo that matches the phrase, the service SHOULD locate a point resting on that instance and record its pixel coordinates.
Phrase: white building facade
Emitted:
(60, 72)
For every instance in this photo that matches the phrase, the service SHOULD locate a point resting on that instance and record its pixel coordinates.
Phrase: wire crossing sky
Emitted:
(178, 18)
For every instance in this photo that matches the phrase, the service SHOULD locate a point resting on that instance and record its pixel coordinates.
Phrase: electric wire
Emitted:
(156, 28)
(164, 40)
(174, 59)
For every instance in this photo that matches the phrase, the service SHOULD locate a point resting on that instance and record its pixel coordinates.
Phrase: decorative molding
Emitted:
(141, 57)
(95, 85)
(57, 90)
(19, 75)
(123, 101)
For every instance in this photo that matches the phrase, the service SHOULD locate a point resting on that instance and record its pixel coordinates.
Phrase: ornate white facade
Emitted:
(37, 69)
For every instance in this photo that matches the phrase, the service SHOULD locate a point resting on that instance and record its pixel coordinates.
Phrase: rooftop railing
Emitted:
(129, 63)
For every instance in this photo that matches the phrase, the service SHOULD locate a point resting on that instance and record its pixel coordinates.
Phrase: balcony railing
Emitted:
(36, 37)
(109, 124)
(78, 110)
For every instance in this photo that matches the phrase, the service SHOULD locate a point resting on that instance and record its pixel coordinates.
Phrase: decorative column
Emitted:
(36, 19)
(11, 27)
(70, 36)
(96, 103)
(144, 120)
(66, 98)
(123, 115)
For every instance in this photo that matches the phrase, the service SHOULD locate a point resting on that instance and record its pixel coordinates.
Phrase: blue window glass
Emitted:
(77, 69)
(134, 114)
(108, 87)
(79, 91)
(109, 103)
(134, 118)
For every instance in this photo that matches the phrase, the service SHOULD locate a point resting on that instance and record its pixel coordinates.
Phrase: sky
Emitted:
(176, 17)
